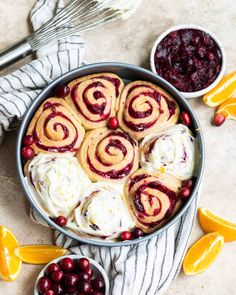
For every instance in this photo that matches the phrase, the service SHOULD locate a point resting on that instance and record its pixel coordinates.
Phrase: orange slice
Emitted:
(210, 222)
(10, 265)
(228, 108)
(39, 254)
(222, 91)
(203, 253)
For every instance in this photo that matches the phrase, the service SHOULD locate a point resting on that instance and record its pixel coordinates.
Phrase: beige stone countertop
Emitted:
(131, 41)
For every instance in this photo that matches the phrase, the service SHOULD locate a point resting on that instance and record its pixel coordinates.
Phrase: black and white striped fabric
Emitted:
(144, 269)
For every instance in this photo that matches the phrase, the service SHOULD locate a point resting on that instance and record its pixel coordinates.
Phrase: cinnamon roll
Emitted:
(145, 108)
(173, 150)
(95, 98)
(152, 198)
(55, 128)
(108, 154)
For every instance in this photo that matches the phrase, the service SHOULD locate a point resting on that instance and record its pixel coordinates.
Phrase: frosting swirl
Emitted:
(146, 108)
(152, 198)
(95, 98)
(57, 181)
(173, 150)
(55, 128)
(108, 155)
(102, 212)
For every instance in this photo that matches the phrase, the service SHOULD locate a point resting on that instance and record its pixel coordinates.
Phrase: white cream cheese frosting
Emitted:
(173, 150)
(103, 212)
(58, 182)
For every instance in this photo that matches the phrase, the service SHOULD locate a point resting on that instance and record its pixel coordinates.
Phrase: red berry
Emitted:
(57, 276)
(219, 119)
(89, 272)
(188, 183)
(53, 267)
(70, 280)
(49, 292)
(126, 235)
(67, 264)
(84, 287)
(61, 91)
(83, 276)
(58, 289)
(98, 284)
(61, 221)
(71, 290)
(44, 284)
(113, 123)
(185, 118)
(137, 233)
(27, 152)
(28, 140)
(83, 264)
(185, 193)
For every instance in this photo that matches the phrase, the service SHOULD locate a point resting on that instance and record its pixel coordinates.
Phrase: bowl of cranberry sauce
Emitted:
(189, 57)
(72, 274)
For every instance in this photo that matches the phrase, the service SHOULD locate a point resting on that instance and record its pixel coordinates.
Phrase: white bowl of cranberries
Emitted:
(72, 274)
(189, 57)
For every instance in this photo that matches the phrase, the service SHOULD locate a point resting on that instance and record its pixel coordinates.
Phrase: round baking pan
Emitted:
(128, 73)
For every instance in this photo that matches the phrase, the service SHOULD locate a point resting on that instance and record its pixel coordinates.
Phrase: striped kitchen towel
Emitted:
(144, 269)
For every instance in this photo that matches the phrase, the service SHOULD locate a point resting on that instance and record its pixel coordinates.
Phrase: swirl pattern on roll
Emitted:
(55, 128)
(145, 108)
(108, 154)
(152, 198)
(95, 98)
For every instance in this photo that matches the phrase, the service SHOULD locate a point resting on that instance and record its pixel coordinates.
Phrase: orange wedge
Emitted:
(210, 222)
(39, 254)
(228, 108)
(10, 265)
(203, 253)
(222, 91)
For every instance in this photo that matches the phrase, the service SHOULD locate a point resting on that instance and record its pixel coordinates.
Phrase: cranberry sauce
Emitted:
(189, 59)
(114, 81)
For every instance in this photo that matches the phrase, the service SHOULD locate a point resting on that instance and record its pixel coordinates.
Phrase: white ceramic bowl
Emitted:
(213, 36)
(97, 269)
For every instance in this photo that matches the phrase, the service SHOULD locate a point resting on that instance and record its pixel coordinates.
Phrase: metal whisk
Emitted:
(76, 16)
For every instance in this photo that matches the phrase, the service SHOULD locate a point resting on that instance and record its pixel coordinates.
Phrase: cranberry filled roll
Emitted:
(95, 98)
(55, 128)
(152, 198)
(108, 154)
(145, 108)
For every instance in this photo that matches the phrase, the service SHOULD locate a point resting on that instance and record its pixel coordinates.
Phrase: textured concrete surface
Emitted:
(131, 42)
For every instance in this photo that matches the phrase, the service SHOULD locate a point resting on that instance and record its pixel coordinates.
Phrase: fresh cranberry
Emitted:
(89, 271)
(70, 280)
(113, 123)
(137, 233)
(71, 290)
(44, 284)
(57, 276)
(219, 119)
(27, 152)
(28, 140)
(188, 183)
(61, 91)
(53, 267)
(61, 221)
(67, 264)
(98, 284)
(185, 192)
(84, 287)
(126, 235)
(185, 118)
(83, 264)
(49, 292)
(58, 289)
(83, 276)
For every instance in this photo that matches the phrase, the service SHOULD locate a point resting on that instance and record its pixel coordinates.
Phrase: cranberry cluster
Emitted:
(135, 234)
(70, 277)
(186, 190)
(27, 151)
